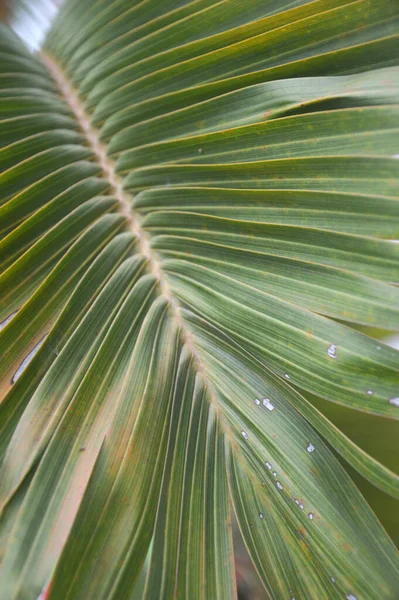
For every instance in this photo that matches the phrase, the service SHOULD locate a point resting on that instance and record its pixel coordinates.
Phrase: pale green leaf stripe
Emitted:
(38, 314)
(321, 289)
(118, 511)
(371, 469)
(368, 55)
(379, 475)
(281, 561)
(80, 302)
(253, 104)
(15, 80)
(192, 22)
(23, 277)
(32, 169)
(252, 54)
(59, 386)
(14, 130)
(64, 475)
(42, 192)
(294, 343)
(43, 219)
(28, 104)
(361, 214)
(351, 174)
(10, 514)
(21, 149)
(150, 61)
(96, 19)
(368, 256)
(355, 132)
(343, 530)
(193, 507)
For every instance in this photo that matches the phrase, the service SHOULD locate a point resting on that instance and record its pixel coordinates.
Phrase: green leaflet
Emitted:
(119, 507)
(193, 515)
(253, 104)
(95, 278)
(282, 462)
(297, 345)
(195, 197)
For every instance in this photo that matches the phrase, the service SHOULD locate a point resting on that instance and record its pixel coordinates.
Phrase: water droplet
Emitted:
(370, 392)
(394, 401)
(268, 465)
(261, 515)
(310, 447)
(333, 579)
(350, 597)
(244, 434)
(311, 516)
(332, 351)
(278, 484)
(257, 401)
(200, 151)
(395, 155)
(378, 347)
(296, 502)
(287, 376)
(27, 360)
(301, 506)
(274, 474)
(266, 402)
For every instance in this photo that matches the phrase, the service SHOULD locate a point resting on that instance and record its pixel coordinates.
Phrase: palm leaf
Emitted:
(197, 199)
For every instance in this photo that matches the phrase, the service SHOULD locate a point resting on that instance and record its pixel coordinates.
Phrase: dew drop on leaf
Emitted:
(257, 401)
(268, 465)
(278, 484)
(266, 402)
(394, 401)
(370, 392)
(332, 351)
(274, 474)
(350, 597)
(287, 376)
(311, 516)
(244, 434)
(310, 447)
(261, 515)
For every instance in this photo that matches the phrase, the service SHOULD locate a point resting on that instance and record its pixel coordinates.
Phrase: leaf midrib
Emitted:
(70, 95)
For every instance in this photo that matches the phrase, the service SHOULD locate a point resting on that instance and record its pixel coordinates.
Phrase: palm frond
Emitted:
(198, 199)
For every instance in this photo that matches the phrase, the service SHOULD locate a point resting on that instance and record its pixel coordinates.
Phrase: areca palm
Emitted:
(197, 202)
